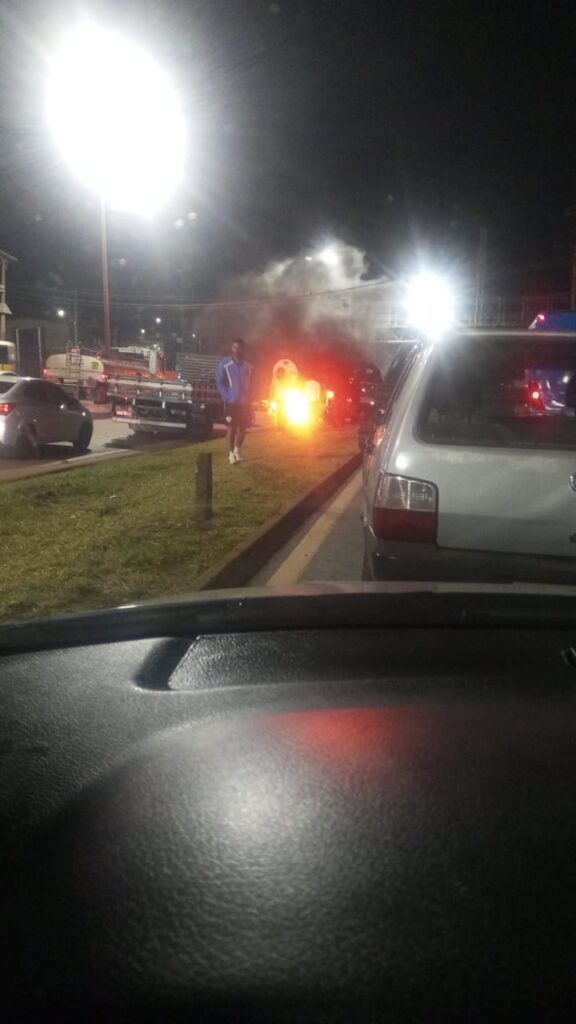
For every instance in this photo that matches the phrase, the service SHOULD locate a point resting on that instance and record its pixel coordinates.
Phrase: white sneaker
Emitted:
(232, 459)
(237, 456)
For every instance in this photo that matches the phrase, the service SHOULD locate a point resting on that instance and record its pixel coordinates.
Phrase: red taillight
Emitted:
(405, 510)
(44, 372)
(535, 396)
(6, 408)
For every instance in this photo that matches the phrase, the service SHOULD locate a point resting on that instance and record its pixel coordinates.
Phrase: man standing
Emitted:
(234, 379)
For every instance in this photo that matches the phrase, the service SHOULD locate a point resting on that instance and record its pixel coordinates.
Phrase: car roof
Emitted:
(33, 380)
(13, 381)
(511, 333)
(503, 334)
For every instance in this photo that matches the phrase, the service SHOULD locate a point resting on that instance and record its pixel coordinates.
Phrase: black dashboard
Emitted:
(244, 817)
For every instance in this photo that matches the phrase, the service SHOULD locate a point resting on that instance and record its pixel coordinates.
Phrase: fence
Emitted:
(490, 312)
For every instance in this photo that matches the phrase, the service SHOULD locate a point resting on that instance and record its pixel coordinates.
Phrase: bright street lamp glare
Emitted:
(329, 256)
(430, 304)
(116, 119)
(60, 312)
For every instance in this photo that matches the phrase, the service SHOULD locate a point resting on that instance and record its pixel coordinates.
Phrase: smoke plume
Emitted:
(306, 308)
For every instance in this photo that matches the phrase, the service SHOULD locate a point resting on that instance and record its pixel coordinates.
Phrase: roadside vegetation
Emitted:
(124, 530)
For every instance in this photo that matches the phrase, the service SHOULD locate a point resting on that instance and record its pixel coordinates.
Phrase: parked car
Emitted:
(34, 412)
(373, 411)
(471, 475)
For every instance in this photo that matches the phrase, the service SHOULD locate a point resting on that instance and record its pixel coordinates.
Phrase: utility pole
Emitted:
(105, 278)
(75, 318)
(480, 275)
(570, 215)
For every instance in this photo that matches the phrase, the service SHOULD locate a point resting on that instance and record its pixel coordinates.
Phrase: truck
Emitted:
(186, 406)
(87, 372)
(160, 407)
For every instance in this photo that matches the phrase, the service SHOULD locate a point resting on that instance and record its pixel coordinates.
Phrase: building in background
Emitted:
(35, 339)
(5, 260)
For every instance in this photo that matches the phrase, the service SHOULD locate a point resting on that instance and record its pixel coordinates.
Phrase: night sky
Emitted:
(401, 128)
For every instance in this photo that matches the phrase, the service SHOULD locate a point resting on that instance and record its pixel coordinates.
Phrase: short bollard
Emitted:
(203, 492)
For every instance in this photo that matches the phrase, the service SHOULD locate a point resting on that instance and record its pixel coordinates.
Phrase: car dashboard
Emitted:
(239, 816)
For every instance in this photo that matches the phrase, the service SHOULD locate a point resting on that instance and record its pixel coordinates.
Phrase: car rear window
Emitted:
(5, 385)
(503, 392)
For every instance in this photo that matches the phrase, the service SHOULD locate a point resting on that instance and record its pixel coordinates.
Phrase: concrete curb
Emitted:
(238, 568)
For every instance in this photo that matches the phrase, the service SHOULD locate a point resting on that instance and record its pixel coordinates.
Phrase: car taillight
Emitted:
(405, 509)
(535, 396)
(6, 408)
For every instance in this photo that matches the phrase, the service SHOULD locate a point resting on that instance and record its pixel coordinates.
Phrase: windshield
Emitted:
(292, 287)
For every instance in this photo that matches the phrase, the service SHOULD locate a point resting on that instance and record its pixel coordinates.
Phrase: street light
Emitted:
(430, 304)
(158, 319)
(329, 256)
(118, 123)
(61, 313)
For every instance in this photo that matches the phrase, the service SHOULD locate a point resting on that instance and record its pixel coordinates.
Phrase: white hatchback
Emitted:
(471, 476)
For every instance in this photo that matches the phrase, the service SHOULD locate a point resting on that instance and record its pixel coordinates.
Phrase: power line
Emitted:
(92, 299)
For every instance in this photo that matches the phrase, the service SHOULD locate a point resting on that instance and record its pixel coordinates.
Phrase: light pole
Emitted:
(105, 95)
(105, 275)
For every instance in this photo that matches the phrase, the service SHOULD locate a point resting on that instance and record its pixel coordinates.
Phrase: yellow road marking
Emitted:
(294, 566)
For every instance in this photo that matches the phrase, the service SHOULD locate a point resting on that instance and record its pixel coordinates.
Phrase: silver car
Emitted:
(471, 475)
(34, 412)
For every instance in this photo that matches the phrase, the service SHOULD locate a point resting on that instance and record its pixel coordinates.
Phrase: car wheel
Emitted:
(27, 446)
(82, 442)
(208, 430)
(200, 431)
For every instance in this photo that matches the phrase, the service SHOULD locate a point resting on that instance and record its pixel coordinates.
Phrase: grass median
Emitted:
(124, 530)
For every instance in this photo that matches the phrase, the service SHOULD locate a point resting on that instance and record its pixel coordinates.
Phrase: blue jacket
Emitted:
(233, 381)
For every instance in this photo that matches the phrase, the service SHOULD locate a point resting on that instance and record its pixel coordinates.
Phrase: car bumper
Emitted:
(398, 560)
(8, 432)
(133, 421)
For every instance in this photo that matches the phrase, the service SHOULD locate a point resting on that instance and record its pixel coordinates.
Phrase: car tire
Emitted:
(208, 430)
(200, 432)
(27, 446)
(82, 442)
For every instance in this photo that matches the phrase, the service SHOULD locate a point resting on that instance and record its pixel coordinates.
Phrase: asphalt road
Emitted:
(328, 547)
